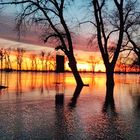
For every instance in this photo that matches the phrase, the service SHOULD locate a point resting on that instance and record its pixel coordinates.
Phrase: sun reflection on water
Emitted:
(28, 107)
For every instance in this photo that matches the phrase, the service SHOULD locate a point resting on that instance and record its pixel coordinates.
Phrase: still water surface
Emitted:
(28, 110)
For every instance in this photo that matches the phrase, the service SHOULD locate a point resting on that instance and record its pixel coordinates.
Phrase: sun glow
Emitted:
(23, 56)
(99, 68)
(29, 64)
(83, 67)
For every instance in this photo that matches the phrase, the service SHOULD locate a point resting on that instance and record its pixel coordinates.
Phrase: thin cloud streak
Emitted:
(32, 36)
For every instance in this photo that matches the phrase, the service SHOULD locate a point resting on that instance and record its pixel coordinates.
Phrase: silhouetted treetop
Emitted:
(50, 16)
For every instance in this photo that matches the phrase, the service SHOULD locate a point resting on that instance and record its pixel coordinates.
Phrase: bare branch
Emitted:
(14, 2)
(87, 22)
(111, 33)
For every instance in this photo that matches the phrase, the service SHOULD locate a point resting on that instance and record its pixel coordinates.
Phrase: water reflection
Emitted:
(59, 89)
(109, 103)
(135, 94)
(68, 125)
(28, 108)
(138, 103)
(75, 96)
(18, 84)
(60, 126)
(26, 82)
(18, 119)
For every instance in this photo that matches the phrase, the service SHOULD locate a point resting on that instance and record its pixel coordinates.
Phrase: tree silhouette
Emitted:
(109, 98)
(8, 65)
(19, 57)
(33, 62)
(132, 26)
(52, 63)
(49, 14)
(76, 94)
(110, 23)
(47, 60)
(42, 55)
(1, 57)
(135, 46)
(136, 64)
(93, 63)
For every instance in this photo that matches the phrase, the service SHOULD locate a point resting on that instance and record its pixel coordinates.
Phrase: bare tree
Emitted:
(47, 60)
(33, 62)
(1, 57)
(50, 15)
(133, 44)
(8, 65)
(42, 55)
(93, 61)
(19, 57)
(132, 31)
(135, 66)
(110, 22)
(135, 47)
(52, 63)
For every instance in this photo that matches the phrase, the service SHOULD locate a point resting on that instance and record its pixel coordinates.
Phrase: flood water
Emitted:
(28, 110)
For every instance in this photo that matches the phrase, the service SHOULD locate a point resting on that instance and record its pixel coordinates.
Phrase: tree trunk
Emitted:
(109, 99)
(73, 66)
(110, 75)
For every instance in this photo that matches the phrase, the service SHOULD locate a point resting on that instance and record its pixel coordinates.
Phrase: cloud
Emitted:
(81, 42)
(32, 36)
(5, 43)
(8, 31)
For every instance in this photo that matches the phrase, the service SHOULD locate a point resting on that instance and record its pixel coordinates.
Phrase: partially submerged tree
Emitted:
(110, 22)
(49, 14)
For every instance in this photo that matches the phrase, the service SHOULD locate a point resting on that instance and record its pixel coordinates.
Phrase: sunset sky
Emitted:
(32, 43)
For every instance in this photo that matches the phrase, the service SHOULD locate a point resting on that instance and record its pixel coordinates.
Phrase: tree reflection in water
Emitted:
(29, 114)
(109, 103)
(75, 96)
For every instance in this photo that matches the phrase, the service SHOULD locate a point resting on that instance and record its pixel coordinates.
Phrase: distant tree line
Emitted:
(115, 29)
(19, 59)
(16, 60)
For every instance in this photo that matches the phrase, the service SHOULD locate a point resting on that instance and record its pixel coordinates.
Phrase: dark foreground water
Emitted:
(28, 110)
